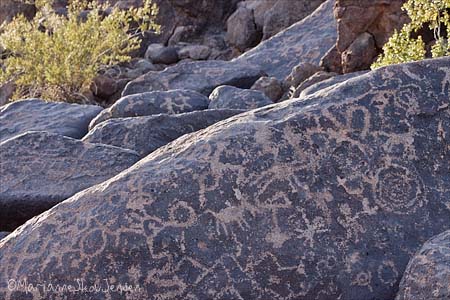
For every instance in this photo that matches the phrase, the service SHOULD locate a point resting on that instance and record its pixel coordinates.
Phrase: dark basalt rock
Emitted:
(314, 79)
(329, 83)
(199, 76)
(146, 134)
(306, 41)
(41, 169)
(229, 97)
(3, 234)
(325, 198)
(11, 8)
(428, 273)
(163, 55)
(284, 13)
(71, 120)
(153, 103)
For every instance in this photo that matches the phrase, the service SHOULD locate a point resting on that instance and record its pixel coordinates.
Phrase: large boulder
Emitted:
(306, 41)
(71, 120)
(199, 76)
(427, 276)
(159, 54)
(153, 103)
(40, 169)
(146, 134)
(326, 198)
(230, 97)
(241, 29)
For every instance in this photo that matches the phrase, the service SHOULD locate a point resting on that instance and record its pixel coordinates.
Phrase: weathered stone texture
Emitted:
(71, 120)
(326, 198)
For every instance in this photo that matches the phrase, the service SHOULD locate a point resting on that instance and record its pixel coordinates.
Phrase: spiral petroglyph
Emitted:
(399, 190)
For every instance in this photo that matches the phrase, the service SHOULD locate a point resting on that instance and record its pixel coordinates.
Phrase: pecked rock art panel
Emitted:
(324, 198)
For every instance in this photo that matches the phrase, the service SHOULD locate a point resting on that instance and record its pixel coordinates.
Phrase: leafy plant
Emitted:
(403, 47)
(56, 57)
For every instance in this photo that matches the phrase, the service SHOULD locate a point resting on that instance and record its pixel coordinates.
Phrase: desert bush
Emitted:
(403, 46)
(56, 57)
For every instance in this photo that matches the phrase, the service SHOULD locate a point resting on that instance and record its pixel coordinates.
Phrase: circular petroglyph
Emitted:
(398, 190)
(182, 214)
(363, 278)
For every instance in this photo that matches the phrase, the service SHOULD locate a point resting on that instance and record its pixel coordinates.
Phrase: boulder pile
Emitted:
(322, 197)
(269, 175)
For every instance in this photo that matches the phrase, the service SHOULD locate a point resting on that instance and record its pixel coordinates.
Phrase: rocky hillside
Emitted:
(270, 165)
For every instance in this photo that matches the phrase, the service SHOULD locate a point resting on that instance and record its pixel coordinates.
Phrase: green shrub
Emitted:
(403, 47)
(56, 57)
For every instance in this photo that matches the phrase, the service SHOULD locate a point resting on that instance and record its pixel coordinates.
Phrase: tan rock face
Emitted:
(321, 198)
(355, 18)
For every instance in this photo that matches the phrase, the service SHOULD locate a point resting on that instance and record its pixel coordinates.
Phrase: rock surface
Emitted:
(322, 86)
(40, 169)
(71, 120)
(3, 234)
(259, 8)
(6, 91)
(284, 13)
(320, 199)
(199, 16)
(306, 41)
(314, 79)
(159, 54)
(195, 52)
(270, 86)
(300, 73)
(427, 276)
(378, 18)
(11, 8)
(153, 103)
(146, 134)
(241, 29)
(199, 76)
(229, 97)
(360, 54)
